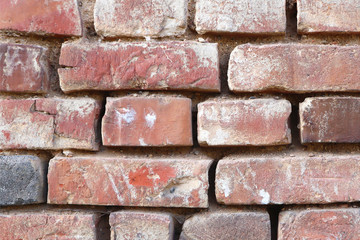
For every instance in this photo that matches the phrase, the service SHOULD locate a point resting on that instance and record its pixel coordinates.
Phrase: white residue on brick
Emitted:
(265, 197)
(126, 114)
(150, 119)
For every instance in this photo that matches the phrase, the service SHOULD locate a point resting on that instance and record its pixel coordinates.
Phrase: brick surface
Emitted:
(330, 120)
(48, 225)
(23, 68)
(147, 121)
(294, 68)
(141, 225)
(41, 17)
(288, 180)
(249, 16)
(22, 180)
(49, 123)
(186, 65)
(235, 122)
(335, 223)
(331, 16)
(96, 180)
(136, 18)
(227, 225)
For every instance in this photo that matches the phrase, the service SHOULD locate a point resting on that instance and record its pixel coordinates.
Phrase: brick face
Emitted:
(41, 17)
(23, 68)
(234, 122)
(147, 121)
(155, 18)
(140, 65)
(96, 180)
(294, 68)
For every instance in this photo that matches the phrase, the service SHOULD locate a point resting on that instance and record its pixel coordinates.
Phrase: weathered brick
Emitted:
(23, 68)
(330, 120)
(227, 225)
(147, 121)
(41, 17)
(249, 17)
(283, 179)
(328, 223)
(22, 180)
(234, 122)
(331, 16)
(141, 225)
(49, 123)
(294, 68)
(137, 18)
(185, 65)
(48, 225)
(124, 181)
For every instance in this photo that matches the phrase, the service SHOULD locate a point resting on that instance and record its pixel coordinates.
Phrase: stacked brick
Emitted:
(127, 109)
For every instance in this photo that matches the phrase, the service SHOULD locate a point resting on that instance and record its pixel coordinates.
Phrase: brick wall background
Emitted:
(186, 119)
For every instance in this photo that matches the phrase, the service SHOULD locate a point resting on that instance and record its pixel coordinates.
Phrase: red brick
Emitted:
(49, 123)
(324, 16)
(249, 16)
(328, 223)
(41, 17)
(330, 120)
(141, 225)
(48, 225)
(235, 122)
(294, 68)
(139, 65)
(226, 225)
(23, 68)
(124, 181)
(147, 121)
(282, 179)
(137, 18)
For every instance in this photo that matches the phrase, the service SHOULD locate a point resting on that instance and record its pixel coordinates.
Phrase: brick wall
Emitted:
(186, 119)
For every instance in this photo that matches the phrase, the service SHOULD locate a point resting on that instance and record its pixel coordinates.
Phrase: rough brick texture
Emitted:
(96, 180)
(330, 119)
(48, 225)
(23, 68)
(139, 65)
(41, 17)
(294, 68)
(288, 180)
(136, 18)
(49, 123)
(22, 180)
(147, 121)
(249, 16)
(141, 225)
(331, 223)
(330, 16)
(227, 225)
(244, 122)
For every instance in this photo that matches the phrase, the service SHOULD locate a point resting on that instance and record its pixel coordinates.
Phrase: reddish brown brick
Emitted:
(41, 17)
(124, 181)
(328, 223)
(23, 68)
(249, 16)
(48, 225)
(49, 123)
(147, 121)
(141, 225)
(139, 65)
(137, 18)
(324, 16)
(281, 179)
(226, 225)
(330, 119)
(294, 68)
(235, 122)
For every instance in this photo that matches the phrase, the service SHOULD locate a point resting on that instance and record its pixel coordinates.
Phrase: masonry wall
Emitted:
(186, 119)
